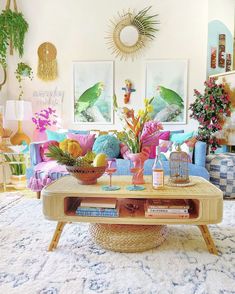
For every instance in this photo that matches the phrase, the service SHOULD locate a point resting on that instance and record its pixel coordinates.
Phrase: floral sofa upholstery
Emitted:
(47, 171)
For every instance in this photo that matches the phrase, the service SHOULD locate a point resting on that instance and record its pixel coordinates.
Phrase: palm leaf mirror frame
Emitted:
(130, 33)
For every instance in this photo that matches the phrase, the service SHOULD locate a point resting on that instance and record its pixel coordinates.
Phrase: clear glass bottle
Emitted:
(158, 171)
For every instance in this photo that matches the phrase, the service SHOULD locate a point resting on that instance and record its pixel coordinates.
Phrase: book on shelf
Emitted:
(167, 215)
(98, 213)
(167, 210)
(99, 202)
(168, 203)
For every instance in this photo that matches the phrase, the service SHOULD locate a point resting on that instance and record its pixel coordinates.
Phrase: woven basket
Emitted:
(86, 175)
(128, 238)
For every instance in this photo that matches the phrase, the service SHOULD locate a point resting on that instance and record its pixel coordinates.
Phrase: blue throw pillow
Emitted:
(181, 137)
(107, 144)
(79, 132)
(55, 136)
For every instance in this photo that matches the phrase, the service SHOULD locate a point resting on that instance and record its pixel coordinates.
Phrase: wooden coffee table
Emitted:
(61, 198)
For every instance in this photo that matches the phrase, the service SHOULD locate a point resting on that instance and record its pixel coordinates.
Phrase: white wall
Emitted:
(222, 10)
(77, 28)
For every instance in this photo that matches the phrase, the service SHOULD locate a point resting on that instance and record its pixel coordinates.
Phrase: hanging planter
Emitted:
(12, 33)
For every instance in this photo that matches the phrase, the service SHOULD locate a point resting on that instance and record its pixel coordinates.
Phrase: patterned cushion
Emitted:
(221, 168)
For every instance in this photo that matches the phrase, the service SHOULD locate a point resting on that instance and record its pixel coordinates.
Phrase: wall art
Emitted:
(219, 48)
(93, 92)
(166, 81)
(47, 64)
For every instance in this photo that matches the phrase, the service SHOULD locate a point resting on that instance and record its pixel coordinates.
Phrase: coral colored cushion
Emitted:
(188, 146)
(44, 149)
(161, 136)
(107, 144)
(86, 141)
(55, 136)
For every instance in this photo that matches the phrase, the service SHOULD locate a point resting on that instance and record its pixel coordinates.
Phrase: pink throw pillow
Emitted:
(161, 136)
(86, 141)
(44, 149)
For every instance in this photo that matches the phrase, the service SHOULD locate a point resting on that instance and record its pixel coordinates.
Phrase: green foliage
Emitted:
(146, 23)
(65, 158)
(210, 110)
(13, 28)
(23, 70)
(17, 169)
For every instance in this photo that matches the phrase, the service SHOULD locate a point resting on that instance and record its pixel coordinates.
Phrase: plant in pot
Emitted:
(18, 170)
(210, 109)
(13, 29)
(12, 34)
(140, 133)
(23, 70)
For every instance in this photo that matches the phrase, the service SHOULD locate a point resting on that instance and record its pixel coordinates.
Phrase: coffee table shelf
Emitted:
(62, 197)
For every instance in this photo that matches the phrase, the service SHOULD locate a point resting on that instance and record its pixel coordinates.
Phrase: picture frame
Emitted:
(166, 81)
(93, 92)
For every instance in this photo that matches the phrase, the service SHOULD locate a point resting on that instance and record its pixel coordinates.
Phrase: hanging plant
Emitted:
(210, 109)
(13, 28)
(23, 70)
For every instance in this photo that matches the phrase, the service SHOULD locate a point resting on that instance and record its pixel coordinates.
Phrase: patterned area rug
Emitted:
(181, 264)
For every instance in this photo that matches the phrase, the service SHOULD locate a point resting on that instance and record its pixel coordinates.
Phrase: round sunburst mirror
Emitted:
(130, 32)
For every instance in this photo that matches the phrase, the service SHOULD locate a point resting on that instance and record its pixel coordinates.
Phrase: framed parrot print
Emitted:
(166, 81)
(93, 92)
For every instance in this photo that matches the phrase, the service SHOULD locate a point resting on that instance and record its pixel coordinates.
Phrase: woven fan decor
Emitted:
(47, 64)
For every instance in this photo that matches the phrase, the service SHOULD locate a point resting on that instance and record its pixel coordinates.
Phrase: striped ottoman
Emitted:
(221, 168)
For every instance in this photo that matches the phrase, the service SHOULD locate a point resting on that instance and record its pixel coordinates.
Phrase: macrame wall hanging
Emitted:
(47, 64)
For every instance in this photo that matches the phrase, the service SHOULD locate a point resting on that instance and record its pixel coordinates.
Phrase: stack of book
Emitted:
(167, 208)
(103, 207)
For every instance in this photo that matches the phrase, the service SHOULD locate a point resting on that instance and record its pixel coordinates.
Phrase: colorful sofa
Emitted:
(46, 171)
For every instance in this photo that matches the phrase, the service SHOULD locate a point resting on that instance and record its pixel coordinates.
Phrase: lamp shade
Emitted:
(18, 110)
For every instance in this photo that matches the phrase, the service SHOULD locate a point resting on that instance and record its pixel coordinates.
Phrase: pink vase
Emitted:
(140, 158)
(39, 136)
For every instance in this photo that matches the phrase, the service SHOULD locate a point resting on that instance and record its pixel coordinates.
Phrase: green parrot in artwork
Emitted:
(170, 96)
(88, 98)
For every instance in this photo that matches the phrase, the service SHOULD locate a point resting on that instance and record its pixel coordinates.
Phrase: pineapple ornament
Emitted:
(47, 64)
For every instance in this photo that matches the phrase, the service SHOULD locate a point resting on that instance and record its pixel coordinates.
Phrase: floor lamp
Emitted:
(19, 110)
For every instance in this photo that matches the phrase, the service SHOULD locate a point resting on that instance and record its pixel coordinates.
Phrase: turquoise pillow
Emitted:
(181, 137)
(79, 132)
(55, 136)
(107, 144)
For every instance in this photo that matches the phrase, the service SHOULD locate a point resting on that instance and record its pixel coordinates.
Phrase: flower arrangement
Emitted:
(139, 130)
(44, 119)
(210, 109)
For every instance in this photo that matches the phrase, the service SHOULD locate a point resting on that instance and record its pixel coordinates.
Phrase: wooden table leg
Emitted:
(56, 236)
(208, 239)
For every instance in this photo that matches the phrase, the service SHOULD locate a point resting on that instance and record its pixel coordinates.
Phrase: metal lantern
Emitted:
(179, 167)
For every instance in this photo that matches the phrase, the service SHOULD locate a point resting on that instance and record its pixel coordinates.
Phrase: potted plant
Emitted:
(18, 170)
(23, 71)
(210, 110)
(13, 28)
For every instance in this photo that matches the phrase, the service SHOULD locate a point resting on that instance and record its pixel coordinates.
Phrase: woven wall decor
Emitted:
(47, 64)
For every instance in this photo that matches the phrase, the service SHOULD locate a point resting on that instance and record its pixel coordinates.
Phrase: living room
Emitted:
(90, 85)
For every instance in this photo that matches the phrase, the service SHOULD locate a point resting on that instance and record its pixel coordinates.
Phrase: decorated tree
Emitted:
(210, 110)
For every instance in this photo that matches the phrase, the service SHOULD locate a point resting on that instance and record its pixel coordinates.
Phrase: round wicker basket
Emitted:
(86, 175)
(128, 238)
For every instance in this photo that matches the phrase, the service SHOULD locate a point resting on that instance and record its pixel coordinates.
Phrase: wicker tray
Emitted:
(128, 238)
